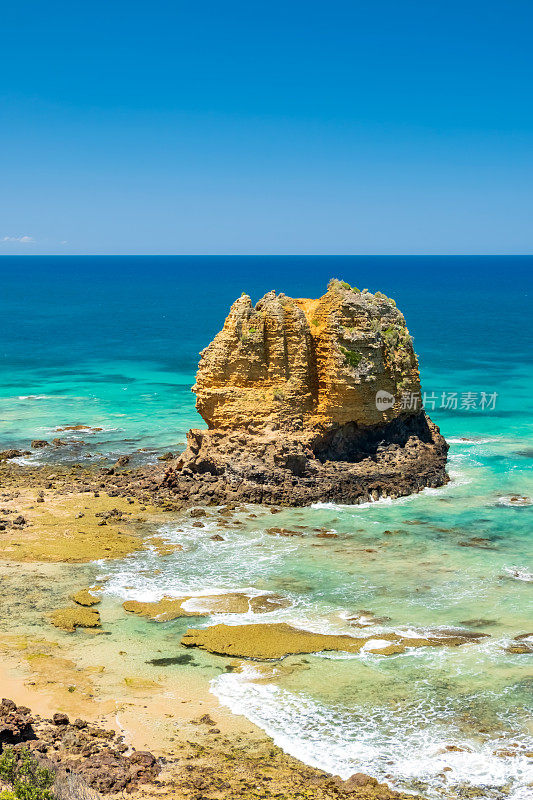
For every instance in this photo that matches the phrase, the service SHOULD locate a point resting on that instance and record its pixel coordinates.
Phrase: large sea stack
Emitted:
(310, 400)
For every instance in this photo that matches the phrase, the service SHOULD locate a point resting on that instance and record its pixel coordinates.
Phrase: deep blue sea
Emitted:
(113, 343)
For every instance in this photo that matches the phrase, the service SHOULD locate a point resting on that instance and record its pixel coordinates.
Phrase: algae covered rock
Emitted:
(86, 597)
(170, 608)
(58, 532)
(277, 640)
(75, 617)
(164, 610)
(265, 642)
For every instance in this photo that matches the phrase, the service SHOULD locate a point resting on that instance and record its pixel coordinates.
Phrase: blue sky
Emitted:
(266, 127)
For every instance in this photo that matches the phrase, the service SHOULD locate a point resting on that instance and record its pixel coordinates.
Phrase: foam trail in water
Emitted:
(519, 573)
(409, 744)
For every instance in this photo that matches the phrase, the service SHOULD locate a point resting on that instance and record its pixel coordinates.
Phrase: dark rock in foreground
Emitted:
(97, 755)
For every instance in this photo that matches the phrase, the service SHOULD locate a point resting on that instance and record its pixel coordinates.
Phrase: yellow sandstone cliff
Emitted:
(314, 361)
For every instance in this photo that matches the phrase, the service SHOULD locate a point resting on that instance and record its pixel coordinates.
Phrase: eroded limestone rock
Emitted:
(289, 388)
(277, 640)
(86, 597)
(170, 608)
(76, 617)
(318, 362)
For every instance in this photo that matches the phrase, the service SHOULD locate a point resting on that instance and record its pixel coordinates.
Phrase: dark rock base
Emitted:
(345, 464)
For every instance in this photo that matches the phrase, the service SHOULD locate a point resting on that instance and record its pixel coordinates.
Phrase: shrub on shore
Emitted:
(27, 779)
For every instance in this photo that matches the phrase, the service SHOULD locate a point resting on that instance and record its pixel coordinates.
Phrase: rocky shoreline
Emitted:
(98, 758)
(257, 470)
(97, 755)
(196, 757)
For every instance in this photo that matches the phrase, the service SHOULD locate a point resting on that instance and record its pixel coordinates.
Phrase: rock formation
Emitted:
(277, 640)
(78, 749)
(305, 401)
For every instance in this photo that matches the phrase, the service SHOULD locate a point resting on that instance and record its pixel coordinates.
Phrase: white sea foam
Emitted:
(46, 397)
(468, 441)
(236, 564)
(26, 461)
(354, 507)
(375, 644)
(457, 478)
(521, 501)
(408, 743)
(36, 397)
(519, 573)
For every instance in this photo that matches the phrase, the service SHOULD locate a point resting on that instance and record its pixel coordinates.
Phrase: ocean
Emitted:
(113, 343)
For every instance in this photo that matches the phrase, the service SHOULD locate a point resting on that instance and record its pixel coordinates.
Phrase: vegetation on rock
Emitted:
(27, 779)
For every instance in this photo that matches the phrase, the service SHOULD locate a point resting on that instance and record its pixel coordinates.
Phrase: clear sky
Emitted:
(339, 126)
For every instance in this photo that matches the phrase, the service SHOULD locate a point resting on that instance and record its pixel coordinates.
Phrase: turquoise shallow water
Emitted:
(114, 343)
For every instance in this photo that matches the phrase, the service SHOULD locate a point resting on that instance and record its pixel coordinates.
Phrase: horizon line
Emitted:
(266, 255)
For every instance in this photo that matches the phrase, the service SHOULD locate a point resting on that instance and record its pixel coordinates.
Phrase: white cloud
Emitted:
(25, 239)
